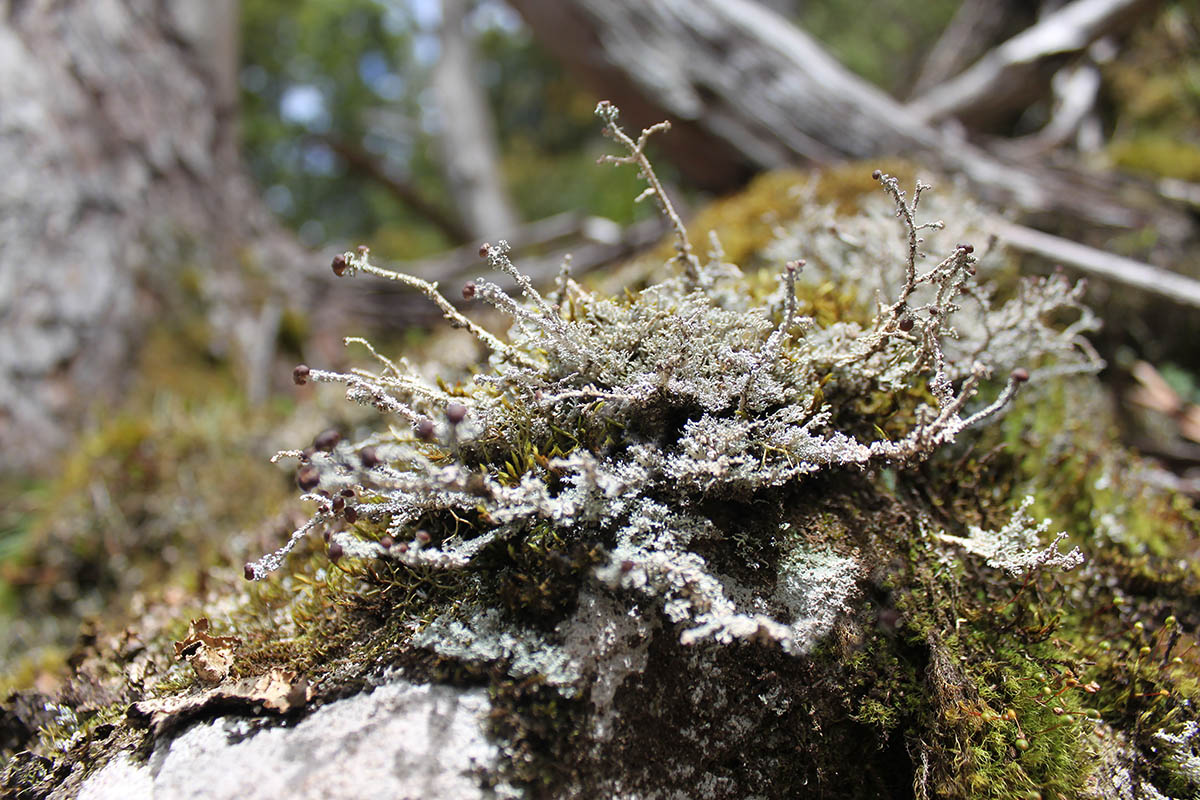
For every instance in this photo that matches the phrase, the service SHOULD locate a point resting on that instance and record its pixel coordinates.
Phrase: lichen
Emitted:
(654, 461)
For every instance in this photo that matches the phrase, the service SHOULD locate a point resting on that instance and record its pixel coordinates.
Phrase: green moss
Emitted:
(744, 222)
(1158, 155)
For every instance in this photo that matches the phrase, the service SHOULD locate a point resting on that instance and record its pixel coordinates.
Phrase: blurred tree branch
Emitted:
(370, 167)
(747, 91)
(975, 27)
(1017, 72)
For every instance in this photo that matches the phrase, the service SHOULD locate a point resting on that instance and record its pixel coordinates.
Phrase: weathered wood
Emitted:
(746, 91)
(1019, 71)
(1113, 268)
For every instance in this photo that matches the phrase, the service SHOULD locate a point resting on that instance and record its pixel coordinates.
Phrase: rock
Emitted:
(399, 741)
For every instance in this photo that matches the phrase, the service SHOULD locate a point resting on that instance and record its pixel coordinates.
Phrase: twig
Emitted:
(637, 156)
(363, 163)
(1118, 269)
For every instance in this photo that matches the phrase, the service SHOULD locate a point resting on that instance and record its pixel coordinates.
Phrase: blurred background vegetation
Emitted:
(357, 74)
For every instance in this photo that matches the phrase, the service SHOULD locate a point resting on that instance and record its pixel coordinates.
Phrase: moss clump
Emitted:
(1158, 155)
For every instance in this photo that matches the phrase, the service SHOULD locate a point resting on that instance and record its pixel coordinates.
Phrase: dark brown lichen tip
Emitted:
(300, 374)
(1020, 375)
(339, 265)
(327, 439)
(369, 457)
(307, 477)
(424, 429)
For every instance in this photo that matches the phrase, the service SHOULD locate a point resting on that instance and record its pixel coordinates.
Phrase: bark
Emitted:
(469, 154)
(119, 145)
(746, 91)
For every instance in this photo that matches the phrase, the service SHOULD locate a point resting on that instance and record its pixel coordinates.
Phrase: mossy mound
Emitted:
(941, 677)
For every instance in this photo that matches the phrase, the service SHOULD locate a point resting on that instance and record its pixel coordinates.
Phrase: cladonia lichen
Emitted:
(610, 425)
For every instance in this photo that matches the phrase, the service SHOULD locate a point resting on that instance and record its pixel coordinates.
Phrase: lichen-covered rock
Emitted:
(397, 741)
(741, 534)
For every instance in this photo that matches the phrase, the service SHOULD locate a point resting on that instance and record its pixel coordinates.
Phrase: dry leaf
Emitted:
(1156, 394)
(277, 691)
(211, 656)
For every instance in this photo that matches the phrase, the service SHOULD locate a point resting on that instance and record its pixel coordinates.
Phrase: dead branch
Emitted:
(976, 27)
(1010, 76)
(368, 166)
(746, 91)
(1116, 269)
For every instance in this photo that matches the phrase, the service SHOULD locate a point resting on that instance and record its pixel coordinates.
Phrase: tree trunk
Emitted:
(469, 154)
(976, 26)
(120, 150)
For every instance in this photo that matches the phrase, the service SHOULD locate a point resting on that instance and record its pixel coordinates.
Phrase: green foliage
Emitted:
(358, 73)
(322, 68)
(1155, 94)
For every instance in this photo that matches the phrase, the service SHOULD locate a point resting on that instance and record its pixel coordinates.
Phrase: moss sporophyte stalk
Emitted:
(646, 455)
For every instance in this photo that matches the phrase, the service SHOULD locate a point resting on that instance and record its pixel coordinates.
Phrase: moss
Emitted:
(1155, 93)
(744, 222)
(1158, 155)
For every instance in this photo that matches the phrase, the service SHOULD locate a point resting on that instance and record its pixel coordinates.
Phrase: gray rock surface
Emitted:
(399, 742)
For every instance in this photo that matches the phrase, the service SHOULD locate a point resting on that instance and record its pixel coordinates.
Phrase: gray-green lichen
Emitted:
(612, 421)
(652, 461)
